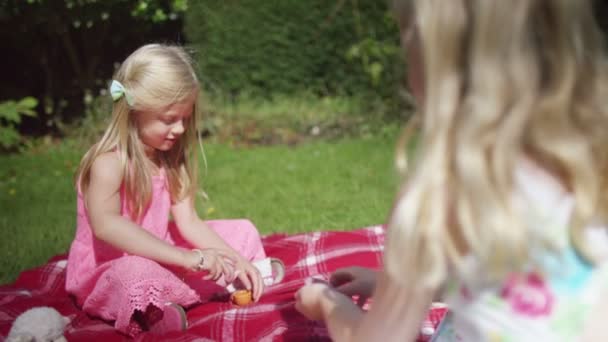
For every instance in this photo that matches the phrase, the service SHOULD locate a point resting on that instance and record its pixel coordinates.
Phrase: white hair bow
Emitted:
(118, 90)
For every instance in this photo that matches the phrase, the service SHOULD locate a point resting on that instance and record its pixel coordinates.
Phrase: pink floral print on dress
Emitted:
(528, 295)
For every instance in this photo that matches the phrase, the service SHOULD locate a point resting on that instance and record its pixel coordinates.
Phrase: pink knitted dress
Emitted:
(112, 284)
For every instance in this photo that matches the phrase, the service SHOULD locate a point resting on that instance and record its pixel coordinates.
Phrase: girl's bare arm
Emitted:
(396, 314)
(103, 206)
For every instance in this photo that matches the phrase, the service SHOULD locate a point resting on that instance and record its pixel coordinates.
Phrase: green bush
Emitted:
(62, 49)
(10, 116)
(290, 46)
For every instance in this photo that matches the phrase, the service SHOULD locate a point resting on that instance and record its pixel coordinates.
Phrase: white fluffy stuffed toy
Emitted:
(40, 324)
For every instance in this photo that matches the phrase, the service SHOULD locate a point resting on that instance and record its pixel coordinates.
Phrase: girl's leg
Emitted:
(134, 292)
(244, 237)
(241, 235)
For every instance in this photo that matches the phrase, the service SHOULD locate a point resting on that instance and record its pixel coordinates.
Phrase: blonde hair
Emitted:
(503, 80)
(154, 76)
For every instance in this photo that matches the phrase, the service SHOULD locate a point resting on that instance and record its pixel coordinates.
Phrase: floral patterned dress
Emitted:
(549, 302)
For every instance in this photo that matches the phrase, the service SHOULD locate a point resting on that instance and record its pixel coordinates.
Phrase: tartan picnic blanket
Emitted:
(273, 318)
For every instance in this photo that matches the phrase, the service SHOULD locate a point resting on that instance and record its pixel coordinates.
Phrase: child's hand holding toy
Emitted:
(215, 261)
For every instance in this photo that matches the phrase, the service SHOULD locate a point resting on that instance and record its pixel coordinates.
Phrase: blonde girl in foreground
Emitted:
(128, 262)
(503, 213)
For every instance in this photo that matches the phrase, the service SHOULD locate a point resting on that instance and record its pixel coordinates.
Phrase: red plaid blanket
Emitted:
(273, 318)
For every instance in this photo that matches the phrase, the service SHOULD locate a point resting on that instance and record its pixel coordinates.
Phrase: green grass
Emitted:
(338, 185)
(293, 119)
(299, 110)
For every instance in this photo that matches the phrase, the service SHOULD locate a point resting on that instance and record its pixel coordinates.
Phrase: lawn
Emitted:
(339, 185)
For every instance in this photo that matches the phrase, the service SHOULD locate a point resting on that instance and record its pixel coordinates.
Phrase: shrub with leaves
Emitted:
(10, 116)
(62, 49)
(265, 48)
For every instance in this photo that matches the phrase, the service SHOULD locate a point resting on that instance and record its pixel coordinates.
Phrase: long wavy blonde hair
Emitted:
(503, 80)
(154, 76)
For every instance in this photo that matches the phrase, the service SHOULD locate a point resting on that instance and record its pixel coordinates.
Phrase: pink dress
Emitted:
(112, 284)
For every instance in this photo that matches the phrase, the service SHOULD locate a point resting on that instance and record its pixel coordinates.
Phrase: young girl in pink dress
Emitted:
(128, 262)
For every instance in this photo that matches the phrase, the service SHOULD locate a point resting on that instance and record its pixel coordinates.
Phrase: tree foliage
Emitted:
(288, 46)
(11, 113)
(61, 51)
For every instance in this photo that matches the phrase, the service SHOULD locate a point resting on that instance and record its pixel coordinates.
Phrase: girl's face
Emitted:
(160, 130)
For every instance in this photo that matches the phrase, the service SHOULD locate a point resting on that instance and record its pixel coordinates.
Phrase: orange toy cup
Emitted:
(241, 297)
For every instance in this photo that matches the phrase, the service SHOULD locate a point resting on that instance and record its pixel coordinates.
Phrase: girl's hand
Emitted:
(250, 277)
(309, 300)
(353, 281)
(216, 262)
